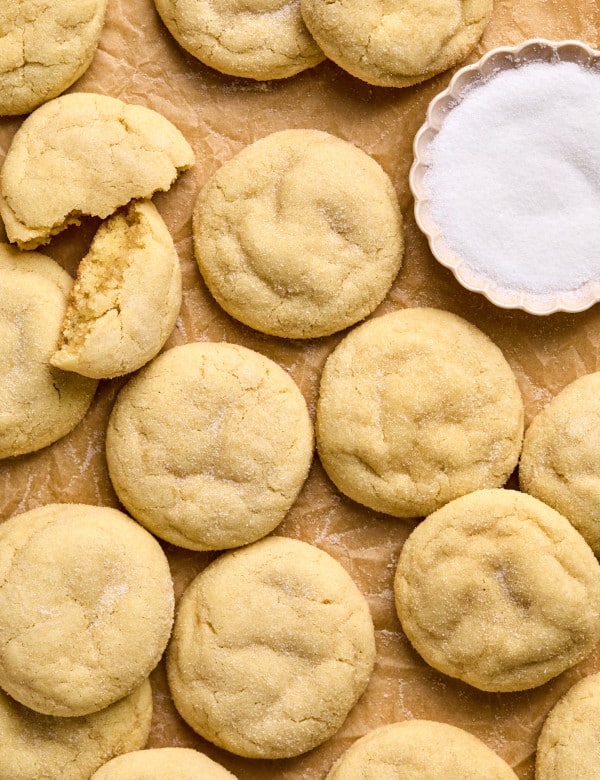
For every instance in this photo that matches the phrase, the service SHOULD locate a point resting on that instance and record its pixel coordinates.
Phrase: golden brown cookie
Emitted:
(569, 744)
(86, 607)
(499, 590)
(163, 764)
(277, 673)
(416, 408)
(299, 235)
(39, 404)
(135, 152)
(256, 39)
(209, 446)
(126, 298)
(44, 48)
(420, 750)
(560, 462)
(46, 747)
(397, 43)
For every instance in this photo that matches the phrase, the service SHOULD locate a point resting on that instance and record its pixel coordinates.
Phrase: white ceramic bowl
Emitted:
(535, 50)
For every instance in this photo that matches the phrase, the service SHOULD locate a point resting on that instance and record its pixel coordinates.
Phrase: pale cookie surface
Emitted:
(560, 462)
(416, 408)
(39, 404)
(420, 750)
(126, 298)
(499, 590)
(278, 674)
(396, 43)
(299, 235)
(256, 39)
(44, 48)
(163, 764)
(569, 744)
(46, 747)
(135, 152)
(209, 446)
(86, 607)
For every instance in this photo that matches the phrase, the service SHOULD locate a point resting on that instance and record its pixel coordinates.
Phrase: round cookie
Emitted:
(560, 462)
(299, 235)
(136, 152)
(256, 39)
(569, 744)
(398, 43)
(44, 48)
(86, 607)
(126, 298)
(209, 446)
(39, 404)
(45, 747)
(499, 590)
(419, 750)
(272, 647)
(163, 764)
(417, 408)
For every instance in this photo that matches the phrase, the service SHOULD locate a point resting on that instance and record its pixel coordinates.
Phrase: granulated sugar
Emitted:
(514, 178)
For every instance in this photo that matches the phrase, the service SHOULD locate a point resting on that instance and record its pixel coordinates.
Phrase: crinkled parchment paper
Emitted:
(139, 62)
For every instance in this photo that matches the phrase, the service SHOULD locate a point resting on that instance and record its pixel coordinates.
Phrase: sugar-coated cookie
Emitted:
(135, 152)
(499, 590)
(273, 645)
(569, 744)
(39, 404)
(46, 747)
(163, 764)
(44, 48)
(420, 750)
(560, 462)
(209, 446)
(397, 43)
(126, 298)
(86, 607)
(254, 39)
(299, 235)
(416, 408)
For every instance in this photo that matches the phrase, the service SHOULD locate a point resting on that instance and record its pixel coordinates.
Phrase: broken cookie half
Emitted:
(126, 298)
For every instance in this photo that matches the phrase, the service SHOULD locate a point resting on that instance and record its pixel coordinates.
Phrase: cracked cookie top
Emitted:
(39, 404)
(396, 43)
(44, 47)
(499, 590)
(86, 607)
(209, 445)
(272, 646)
(299, 235)
(416, 408)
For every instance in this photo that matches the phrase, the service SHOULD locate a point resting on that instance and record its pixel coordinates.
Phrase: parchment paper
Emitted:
(139, 62)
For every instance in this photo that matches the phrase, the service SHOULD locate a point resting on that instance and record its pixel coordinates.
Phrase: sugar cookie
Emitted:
(135, 150)
(45, 747)
(569, 744)
(416, 408)
(39, 404)
(499, 590)
(299, 235)
(420, 750)
(398, 43)
(163, 764)
(209, 446)
(255, 39)
(44, 48)
(126, 299)
(560, 462)
(86, 607)
(276, 675)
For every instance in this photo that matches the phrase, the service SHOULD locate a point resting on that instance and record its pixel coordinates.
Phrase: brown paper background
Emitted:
(138, 61)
